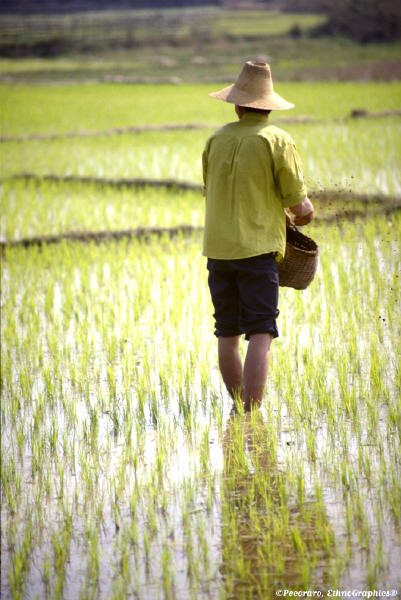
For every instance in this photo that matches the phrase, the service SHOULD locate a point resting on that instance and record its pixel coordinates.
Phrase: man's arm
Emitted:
(204, 165)
(303, 212)
(289, 177)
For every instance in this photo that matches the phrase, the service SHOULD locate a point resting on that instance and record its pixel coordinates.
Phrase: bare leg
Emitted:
(230, 364)
(255, 369)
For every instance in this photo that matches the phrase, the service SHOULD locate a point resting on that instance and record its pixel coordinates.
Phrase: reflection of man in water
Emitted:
(269, 539)
(251, 172)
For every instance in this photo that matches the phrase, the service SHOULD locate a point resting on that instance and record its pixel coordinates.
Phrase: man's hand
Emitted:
(300, 221)
(303, 212)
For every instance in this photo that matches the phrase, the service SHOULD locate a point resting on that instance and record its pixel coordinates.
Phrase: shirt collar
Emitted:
(255, 117)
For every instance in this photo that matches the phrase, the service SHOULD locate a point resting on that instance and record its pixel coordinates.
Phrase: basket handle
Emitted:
(289, 222)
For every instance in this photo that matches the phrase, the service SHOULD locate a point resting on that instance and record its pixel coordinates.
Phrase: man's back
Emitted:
(251, 172)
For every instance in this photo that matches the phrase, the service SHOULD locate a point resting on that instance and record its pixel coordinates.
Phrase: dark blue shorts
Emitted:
(244, 295)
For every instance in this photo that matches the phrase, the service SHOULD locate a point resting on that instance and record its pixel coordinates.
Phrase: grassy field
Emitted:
(107, 29)
(126, 470)
(191, 45)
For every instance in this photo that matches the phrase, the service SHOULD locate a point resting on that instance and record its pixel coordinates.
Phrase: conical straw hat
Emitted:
(253, 88)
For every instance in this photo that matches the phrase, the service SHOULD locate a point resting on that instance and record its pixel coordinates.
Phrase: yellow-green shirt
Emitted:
(251, 172)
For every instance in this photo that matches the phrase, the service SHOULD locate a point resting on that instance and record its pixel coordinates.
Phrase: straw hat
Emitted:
(253, 88)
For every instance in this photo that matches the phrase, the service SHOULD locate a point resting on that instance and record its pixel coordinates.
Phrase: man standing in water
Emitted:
(251, 172)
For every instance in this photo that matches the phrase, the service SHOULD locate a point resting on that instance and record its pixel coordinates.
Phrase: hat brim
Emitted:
(270, 101)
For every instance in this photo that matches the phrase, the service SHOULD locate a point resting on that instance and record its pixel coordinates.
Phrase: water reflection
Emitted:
(272, 537)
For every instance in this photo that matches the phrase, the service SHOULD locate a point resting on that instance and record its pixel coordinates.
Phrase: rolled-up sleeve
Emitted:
(289, 176)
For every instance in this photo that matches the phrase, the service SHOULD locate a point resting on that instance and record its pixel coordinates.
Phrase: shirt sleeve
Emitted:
(289, 176)
(205, 156)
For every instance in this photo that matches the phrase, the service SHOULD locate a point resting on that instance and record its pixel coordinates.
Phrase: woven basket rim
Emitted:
(293, 231)
(298, 249)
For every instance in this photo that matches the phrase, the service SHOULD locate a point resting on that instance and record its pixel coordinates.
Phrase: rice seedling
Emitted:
(124, 468)
(263, 499)
(344, 164)
(103, 106)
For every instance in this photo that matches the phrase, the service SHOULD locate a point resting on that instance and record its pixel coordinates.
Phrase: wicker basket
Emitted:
(298, 267)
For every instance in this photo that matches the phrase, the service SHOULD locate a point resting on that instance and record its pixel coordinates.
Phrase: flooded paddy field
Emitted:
(337, 151)
(126, 470)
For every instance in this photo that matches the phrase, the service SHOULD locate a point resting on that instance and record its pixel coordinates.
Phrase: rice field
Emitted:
(361, 155)
(334, 155)
(32, 208)
(98, 107)
(182, 45)
(126, 470)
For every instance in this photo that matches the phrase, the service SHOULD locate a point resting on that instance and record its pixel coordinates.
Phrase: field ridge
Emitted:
(321, 194)
(146, 232)
(127, 182)
(354, 114)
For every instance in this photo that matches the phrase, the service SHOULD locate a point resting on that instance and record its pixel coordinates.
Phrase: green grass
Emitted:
(122, 470)
(105, 29)
(262, 22)
(102, 27)
(306, 59)
(98, 107)
(187, 45)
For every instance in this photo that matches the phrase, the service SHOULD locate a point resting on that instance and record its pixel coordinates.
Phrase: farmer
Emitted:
(251, 173)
